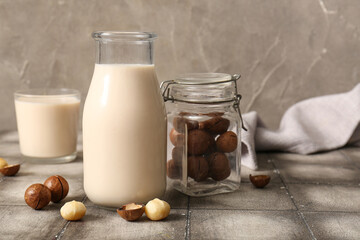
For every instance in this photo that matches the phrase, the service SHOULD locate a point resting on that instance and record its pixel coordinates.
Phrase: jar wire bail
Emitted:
(165, 87)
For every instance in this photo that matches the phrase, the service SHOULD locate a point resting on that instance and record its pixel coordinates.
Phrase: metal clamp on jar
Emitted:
(204, 142)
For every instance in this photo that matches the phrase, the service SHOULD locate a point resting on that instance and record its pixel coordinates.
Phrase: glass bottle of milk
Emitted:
(124, 122)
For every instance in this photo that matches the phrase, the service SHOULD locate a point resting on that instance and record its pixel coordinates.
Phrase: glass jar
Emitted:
(204, 126)
(124, 123)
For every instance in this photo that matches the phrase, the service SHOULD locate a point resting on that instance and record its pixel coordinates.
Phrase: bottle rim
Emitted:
(123, 36)
(47, 93)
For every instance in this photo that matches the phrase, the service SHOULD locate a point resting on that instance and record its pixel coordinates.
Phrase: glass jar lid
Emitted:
(202, 78)
(201, 88)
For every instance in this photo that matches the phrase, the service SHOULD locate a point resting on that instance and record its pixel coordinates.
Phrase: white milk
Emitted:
(124, 136)
(47, 125)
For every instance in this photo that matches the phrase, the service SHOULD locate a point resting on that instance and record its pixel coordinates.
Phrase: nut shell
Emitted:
(177, 154)
(176, 138)
(37, 196)
(58, 186)
(227, 142)
(198, 168)
(180, 122)
(219, 166)
(260, 181)
(10, 170)
(131, 211)
(172, 170)
(215, 125)
(199, 142)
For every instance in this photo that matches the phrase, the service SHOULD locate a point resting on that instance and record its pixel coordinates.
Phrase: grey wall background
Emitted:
(285, 50)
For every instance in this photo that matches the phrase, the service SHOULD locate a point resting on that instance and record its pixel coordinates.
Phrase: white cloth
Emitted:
(313, 125)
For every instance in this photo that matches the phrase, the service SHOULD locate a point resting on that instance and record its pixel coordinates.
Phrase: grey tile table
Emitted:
(309, 197)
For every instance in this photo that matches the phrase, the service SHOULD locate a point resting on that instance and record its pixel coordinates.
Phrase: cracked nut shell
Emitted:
(37, 196)
(198, 168)
(10, 170)
(215, 125)
(58, 186)
(260, 181)
(219, 166)
(227, 142)
(199, 142)
(180, 122)
(131, 211)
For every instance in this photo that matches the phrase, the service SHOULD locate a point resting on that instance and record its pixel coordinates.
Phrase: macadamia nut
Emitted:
(199, 142)
(172, 170)
(215, 125)
(157, 209)
(198, 168)
(58, 186)
(73, 210)
(219, 166)
(176, 138)
(37, 196)
(227, 142)
(3, 163)
(177, 154)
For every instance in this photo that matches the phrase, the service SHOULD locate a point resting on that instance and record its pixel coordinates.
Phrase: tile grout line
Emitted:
(187, 226)
(323, 183)
(63, 229)
(293, 201)
(316, 183)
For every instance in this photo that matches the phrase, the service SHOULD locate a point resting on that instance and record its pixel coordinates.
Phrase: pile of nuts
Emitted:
(207, 143)
(155, 210)
(54, 189)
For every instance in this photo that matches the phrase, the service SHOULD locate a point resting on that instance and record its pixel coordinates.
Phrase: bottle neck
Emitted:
(124, 52)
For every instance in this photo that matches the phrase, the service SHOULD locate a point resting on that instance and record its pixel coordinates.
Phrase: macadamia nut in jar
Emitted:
(204, 126)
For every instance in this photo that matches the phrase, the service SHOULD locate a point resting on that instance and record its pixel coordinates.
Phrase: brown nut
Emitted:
(173, 170)
(260, 181)
(198, 168)
(58, 186)
(180, 122)
(176, 138)
(215, 125)
(131, 211)
(177, 154)
(227, 142)
(219, 166)
(199, 142)
(37, 196)
(10, 170)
